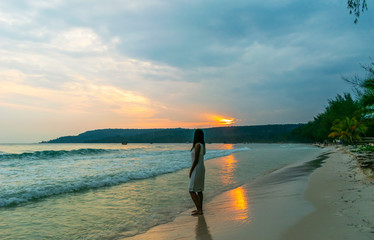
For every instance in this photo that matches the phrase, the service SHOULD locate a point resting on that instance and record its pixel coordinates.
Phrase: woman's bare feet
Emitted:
(196, 213)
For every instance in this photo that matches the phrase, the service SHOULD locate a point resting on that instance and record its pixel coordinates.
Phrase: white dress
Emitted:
(198, 174)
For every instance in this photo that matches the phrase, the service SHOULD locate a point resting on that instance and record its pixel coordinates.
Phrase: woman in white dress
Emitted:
(197, 172)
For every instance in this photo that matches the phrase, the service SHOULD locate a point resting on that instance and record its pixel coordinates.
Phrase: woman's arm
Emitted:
(197, 153)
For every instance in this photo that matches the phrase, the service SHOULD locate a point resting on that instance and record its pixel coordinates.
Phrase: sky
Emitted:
(69, 66)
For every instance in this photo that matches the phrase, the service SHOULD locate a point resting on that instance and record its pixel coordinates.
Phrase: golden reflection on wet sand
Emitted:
(239, 196)
(241, 204)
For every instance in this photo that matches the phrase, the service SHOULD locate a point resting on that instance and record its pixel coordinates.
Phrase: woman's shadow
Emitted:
(202, 230)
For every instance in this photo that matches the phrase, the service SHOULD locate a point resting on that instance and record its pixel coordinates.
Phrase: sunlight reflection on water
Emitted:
(228, 169)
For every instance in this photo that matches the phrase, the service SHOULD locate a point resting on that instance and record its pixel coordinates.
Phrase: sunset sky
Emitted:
(71, 66)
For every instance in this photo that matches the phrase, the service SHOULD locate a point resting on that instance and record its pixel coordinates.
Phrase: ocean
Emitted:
(113, 191)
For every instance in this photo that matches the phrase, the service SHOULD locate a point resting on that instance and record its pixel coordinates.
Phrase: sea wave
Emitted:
(55, 154)
(27, 182)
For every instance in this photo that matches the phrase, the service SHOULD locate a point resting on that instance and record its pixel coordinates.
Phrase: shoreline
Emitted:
(276, 206)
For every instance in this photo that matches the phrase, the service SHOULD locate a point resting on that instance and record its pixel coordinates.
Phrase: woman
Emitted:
(197, 172)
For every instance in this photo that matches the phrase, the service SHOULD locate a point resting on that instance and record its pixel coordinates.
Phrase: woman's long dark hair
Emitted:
(198, 138)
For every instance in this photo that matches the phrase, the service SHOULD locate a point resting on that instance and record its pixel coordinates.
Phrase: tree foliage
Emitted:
(364, 88)
(367, 85)
(319, 129)
(349, 130)
(358, 84)
(368, 95)
(356, 7)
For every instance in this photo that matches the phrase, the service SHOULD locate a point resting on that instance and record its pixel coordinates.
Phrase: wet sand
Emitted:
(296, 202)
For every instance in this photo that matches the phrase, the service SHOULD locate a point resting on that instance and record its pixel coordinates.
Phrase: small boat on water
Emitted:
(124, 143)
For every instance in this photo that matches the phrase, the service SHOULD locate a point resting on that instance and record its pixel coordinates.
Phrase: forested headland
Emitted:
(231, 134)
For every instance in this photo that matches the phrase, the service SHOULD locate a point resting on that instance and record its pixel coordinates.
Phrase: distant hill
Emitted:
(231, 134)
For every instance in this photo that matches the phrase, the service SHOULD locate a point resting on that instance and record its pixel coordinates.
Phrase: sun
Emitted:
(222, 120)
(226, 121)
(219, 120)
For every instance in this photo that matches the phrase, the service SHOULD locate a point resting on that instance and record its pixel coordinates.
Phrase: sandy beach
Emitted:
(343, 199)
(303, 201)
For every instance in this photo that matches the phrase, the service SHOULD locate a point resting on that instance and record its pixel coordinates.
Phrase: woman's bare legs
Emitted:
(197, 199)
(200, 195)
